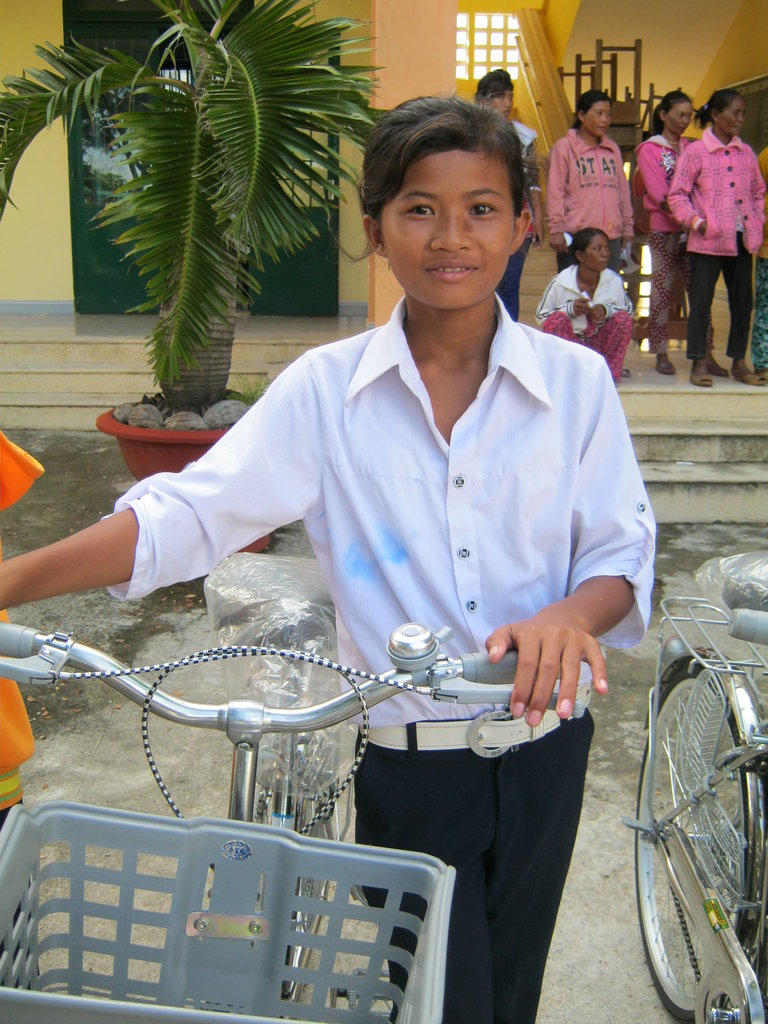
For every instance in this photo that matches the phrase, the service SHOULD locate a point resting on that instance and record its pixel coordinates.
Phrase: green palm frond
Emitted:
(74, 76)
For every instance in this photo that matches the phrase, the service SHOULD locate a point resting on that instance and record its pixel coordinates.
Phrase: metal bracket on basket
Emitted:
(496, 732)
(202, 925)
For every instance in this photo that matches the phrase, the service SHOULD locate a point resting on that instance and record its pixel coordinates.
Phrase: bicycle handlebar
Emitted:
(749, 624)
(31, 657)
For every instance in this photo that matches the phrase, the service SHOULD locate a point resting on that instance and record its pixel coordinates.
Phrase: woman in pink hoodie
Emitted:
(656, 161)
(586, 184)
(717, 195)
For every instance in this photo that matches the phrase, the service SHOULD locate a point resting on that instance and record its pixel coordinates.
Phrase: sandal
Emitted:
(762, 374)
(663, 365)
(701, 380)
(756, 379)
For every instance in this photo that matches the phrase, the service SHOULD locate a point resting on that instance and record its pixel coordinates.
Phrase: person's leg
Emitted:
(442, 803)
(737, 274)
(509, 286)
(614, 261)
(540, 789)
(612, 340)
(704, 272)
(760, 322)
(560, 325)
(664, 246)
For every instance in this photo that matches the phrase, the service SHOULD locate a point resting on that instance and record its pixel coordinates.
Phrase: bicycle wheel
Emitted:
(670, 943)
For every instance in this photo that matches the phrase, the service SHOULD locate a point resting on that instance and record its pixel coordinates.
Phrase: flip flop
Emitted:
(701, 380)
(762, 374)
(750, 378)
(664, 366)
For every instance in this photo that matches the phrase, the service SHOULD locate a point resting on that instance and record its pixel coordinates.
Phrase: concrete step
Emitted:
(707, 492)
(700, 441)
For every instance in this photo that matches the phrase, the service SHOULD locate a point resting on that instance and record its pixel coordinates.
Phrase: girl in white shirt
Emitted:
(454, 468)
(587, 302)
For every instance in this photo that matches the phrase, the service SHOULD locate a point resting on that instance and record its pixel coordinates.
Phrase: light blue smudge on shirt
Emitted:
(361, 563)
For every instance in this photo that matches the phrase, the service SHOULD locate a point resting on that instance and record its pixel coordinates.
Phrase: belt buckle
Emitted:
(473, 734)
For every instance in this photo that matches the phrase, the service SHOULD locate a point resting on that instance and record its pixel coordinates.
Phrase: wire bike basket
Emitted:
(110, 915)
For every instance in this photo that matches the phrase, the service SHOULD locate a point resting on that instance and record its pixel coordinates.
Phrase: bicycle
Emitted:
(217, 868)
(701, 832)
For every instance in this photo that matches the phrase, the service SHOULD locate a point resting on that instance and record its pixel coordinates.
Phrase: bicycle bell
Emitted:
(412, 646)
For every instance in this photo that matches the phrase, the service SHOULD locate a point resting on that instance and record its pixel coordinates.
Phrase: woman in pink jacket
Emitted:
(656, 161)
(717, 196)
(586, 184)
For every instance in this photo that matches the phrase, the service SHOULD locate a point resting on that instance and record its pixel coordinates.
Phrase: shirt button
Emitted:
(729, 168)
(458, 481)
(463, 552)
(731, 184)
(471, 606)
(727, 152)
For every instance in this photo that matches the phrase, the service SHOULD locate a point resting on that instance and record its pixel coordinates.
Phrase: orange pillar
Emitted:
(414, 46)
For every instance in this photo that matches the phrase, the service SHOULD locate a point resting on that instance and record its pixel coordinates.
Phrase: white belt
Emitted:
(488, 735)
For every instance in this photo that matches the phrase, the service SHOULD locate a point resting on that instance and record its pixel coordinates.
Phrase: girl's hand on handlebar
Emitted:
(547, 651)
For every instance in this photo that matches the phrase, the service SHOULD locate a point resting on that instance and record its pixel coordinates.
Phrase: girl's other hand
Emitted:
(557, 242)
(597, 314)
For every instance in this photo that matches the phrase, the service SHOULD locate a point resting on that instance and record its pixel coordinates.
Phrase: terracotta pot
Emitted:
(146, 452)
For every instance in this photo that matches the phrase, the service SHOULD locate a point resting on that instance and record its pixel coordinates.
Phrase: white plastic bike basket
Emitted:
(111, 916)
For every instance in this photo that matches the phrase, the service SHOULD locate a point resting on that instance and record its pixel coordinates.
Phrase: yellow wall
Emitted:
(559, 16)
(35, 246)
(415, 49)
(744, 51)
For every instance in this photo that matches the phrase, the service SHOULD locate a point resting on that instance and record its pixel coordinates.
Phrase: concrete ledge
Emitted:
(53, 307)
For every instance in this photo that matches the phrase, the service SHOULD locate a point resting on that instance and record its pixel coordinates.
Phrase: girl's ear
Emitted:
(372, 230)
(522, 223)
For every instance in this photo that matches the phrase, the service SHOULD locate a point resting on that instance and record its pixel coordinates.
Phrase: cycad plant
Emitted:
(224, 159)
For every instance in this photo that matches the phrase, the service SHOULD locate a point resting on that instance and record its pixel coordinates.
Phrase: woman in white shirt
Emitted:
(587, 302)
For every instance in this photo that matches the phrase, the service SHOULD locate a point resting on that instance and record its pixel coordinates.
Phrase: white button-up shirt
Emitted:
(537, 492)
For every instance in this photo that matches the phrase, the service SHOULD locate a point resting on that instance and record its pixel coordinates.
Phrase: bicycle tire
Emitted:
(669, 944)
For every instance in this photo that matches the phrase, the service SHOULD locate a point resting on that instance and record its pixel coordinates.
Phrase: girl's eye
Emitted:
(421, 210)
(482, 208)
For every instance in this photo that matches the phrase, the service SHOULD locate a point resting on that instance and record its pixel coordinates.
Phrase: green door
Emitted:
(305, 284)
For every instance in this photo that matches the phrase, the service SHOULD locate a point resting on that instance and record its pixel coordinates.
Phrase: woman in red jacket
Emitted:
(717, 196)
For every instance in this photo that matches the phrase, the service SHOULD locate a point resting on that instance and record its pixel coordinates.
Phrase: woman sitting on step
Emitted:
(587, 302)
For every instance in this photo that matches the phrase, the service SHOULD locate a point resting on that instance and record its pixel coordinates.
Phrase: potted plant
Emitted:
(229, 131)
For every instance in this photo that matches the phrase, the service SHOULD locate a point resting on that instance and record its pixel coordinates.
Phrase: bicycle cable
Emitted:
(163, 670)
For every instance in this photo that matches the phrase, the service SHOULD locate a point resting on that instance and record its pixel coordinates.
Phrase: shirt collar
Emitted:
(511, 350)
(712, 142)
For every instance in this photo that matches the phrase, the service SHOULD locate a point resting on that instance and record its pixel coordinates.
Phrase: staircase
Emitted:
(702, 452)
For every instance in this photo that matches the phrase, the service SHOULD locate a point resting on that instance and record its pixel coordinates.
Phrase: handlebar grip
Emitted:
(16, 641)
(749, 624)
(477, 668)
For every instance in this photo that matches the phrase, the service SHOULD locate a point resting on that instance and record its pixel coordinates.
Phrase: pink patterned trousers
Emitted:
(611, 338)
(669, 259)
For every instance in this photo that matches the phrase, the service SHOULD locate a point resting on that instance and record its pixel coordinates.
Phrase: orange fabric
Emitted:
(18, 471)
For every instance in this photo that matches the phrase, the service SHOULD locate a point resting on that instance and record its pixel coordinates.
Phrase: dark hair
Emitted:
(668, 100)
(432, 124)
(719, 101)
(493, 83)
(587, 100)
(583, 237)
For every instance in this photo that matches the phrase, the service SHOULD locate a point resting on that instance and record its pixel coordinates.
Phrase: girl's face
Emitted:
(597, 120)
(729, 122)
(677, 118)
(596, 255)
(449, 231)
(502, 102)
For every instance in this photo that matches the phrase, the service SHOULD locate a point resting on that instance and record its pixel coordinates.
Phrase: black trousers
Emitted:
(737, 274)
(508, 826)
